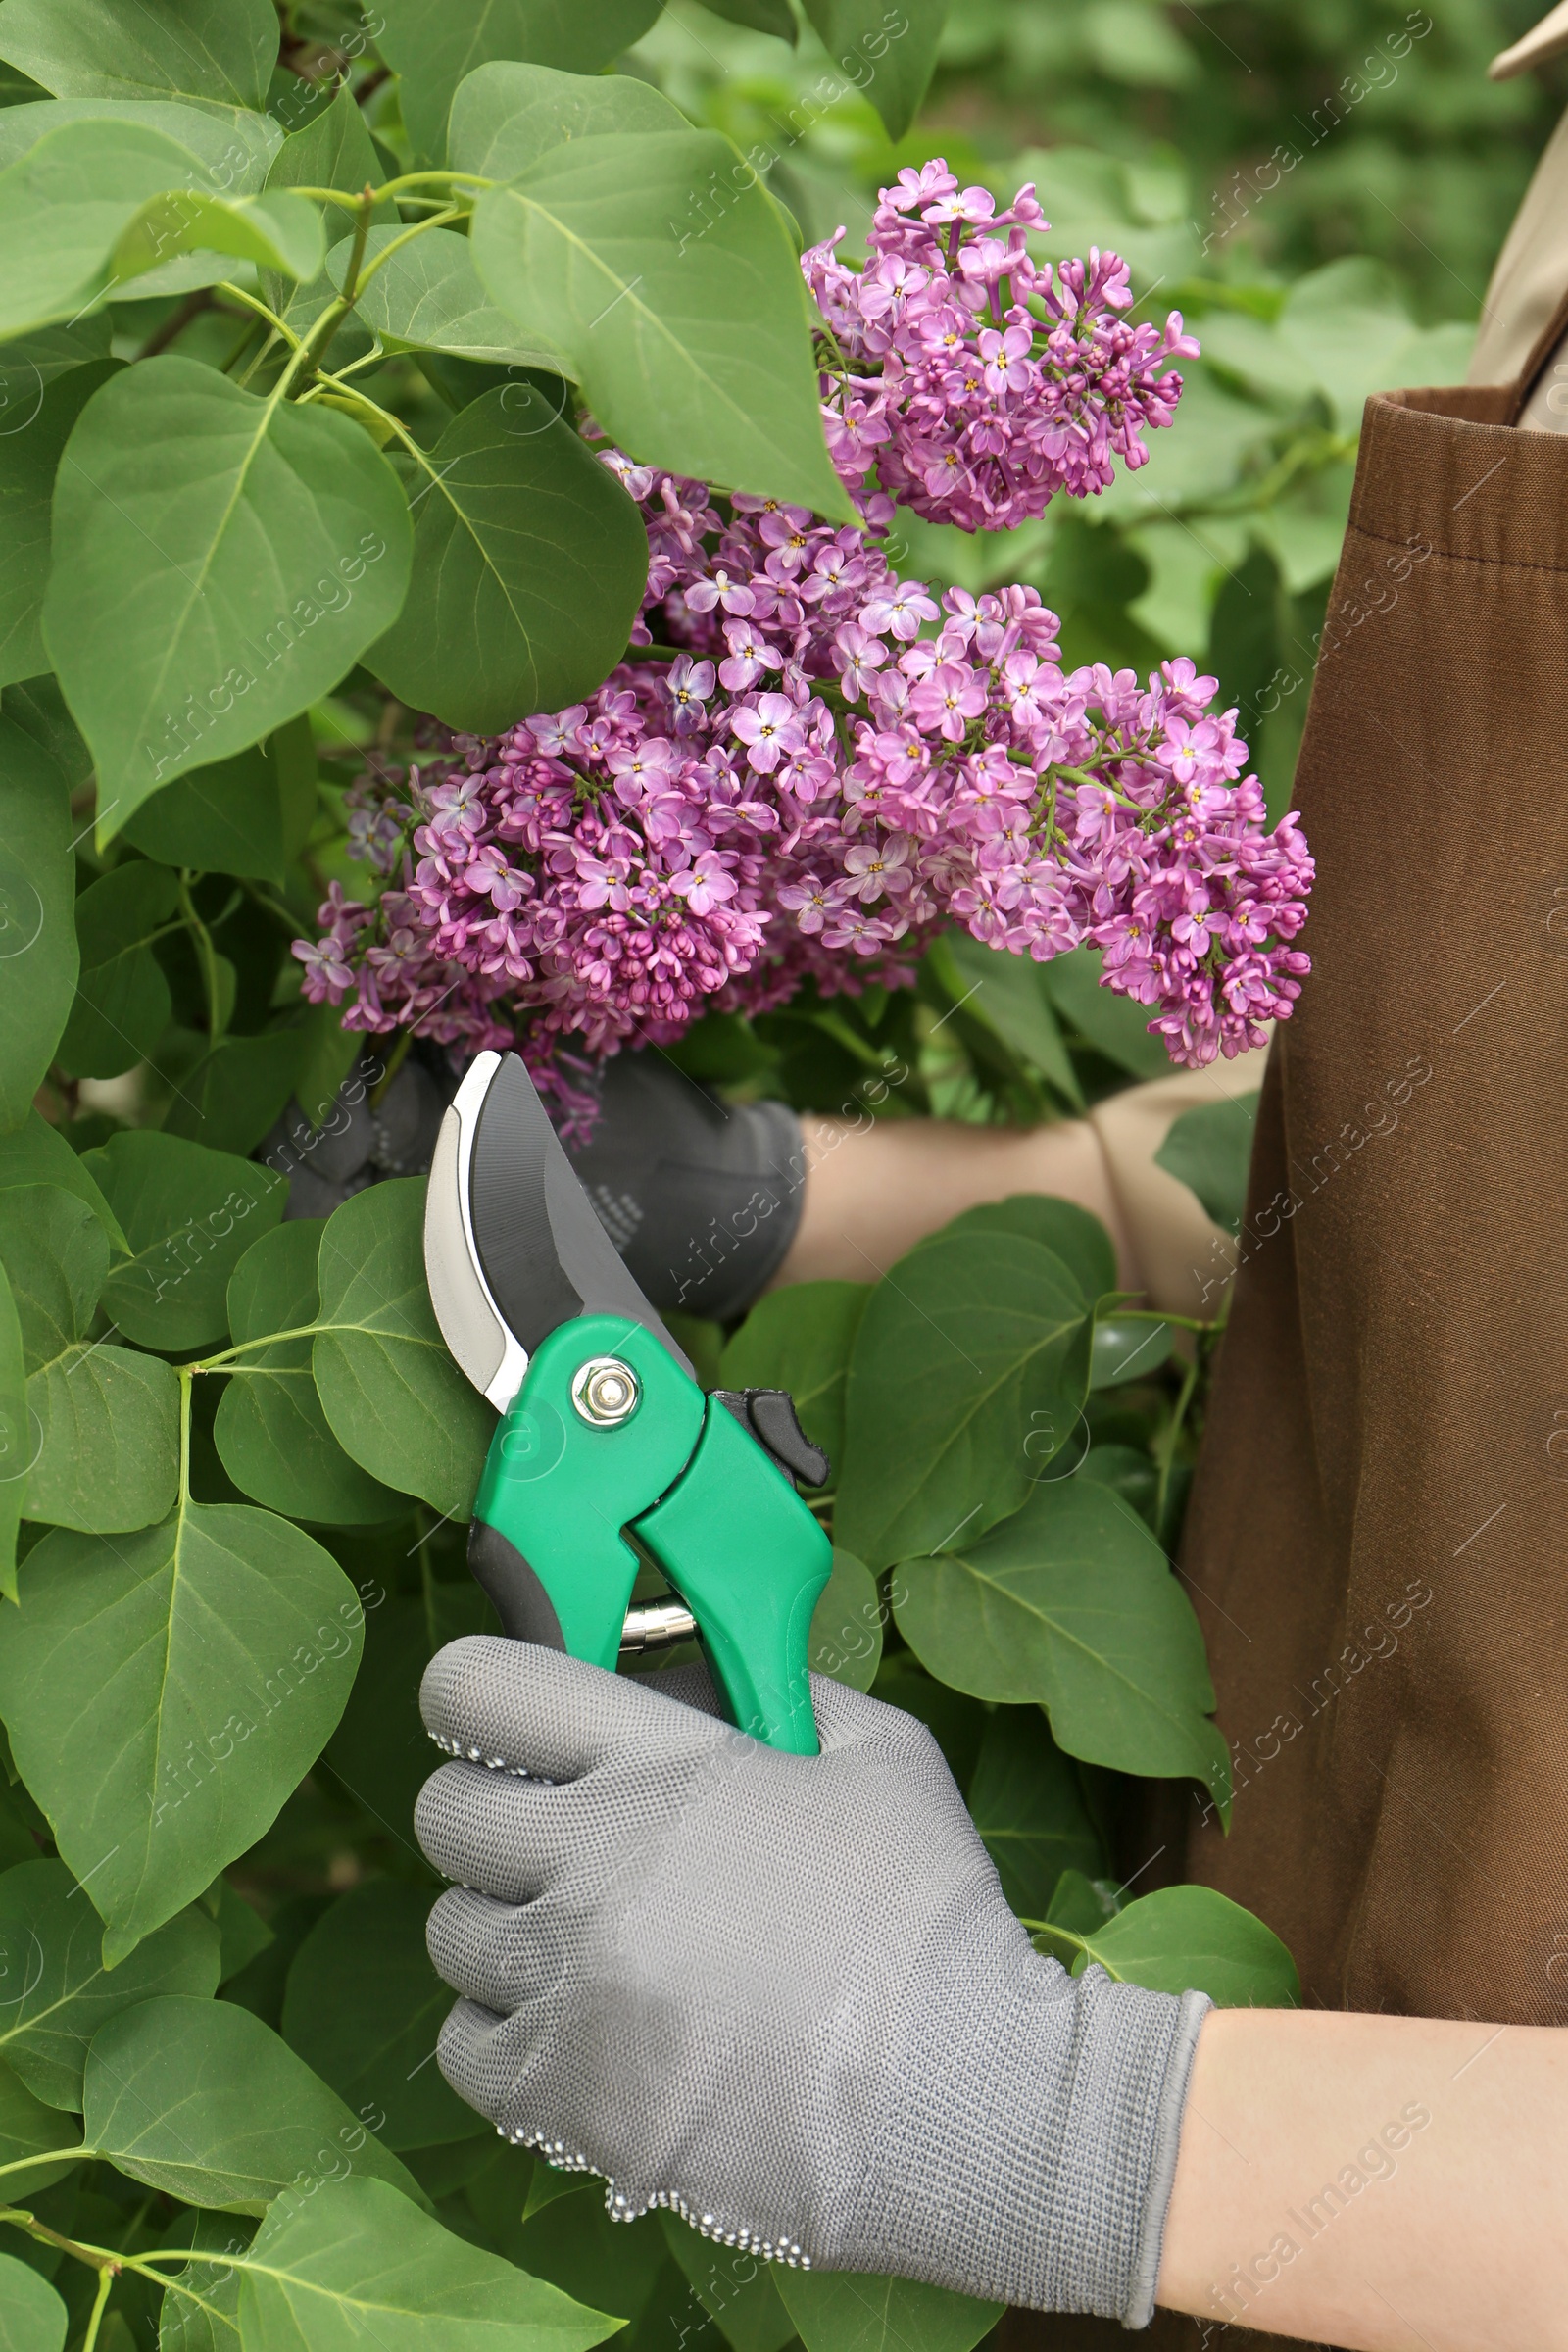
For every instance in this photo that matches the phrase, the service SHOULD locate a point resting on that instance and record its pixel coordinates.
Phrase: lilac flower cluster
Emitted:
(805, 767)
(970, 384)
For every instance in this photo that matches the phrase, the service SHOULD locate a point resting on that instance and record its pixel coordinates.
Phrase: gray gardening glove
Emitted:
(784, 1996)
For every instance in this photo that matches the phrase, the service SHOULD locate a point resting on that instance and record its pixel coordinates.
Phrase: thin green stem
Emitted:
(206, 953)
(106, 2283)
(97, 2257)
(1153, 1315)
(1165, 1449)
(271, 1338)
(274, 907)
(390, 1068)
(1048, 1926)
(261, 311)
(28, 2164)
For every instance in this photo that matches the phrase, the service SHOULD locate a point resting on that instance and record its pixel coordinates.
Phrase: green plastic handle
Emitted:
(750, 1562)
(723, 1522)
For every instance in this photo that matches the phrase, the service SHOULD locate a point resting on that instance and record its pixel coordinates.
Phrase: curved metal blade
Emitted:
(513, 1246)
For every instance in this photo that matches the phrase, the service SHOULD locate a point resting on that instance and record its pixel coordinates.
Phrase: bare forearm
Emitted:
(1384, 2183)
(873, 1193)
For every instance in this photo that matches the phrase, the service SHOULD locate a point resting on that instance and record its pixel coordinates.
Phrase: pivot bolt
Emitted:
(606, 1392)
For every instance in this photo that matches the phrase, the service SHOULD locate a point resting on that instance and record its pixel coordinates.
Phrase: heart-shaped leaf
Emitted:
(1072, 1605)
(394, 1397)
(165, 1690)
(238, 553)
(529, 563)
(203, 2101)
(969, 1376)
(680, 313)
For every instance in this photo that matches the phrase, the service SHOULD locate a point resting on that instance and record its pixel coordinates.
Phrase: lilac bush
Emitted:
(806, 764)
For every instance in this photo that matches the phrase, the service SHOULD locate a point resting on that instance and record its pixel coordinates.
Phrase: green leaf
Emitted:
(363, 2007)
(237, 1091)
(394, 1397)
(800, 1338)
(434, 46)
(1125, 1349)
(890, 67)
(104, 1451)
(16, 1443)
(1188, 1937)
(281, 232)
(428, 297)
(234, 145)
(122, 1003)
(32, 364)
(1114, 1025)
(244, 1934)
(504, 117)
(381, 1751)
(29, 453)
(1129, 1472)
(33, 2318)
(1004, 994)
(357, 2261)
(1082, 1904)
(759, 16)
(38, 1154)
(68, 1992)
(38, 707)
(67, 201)
(842, 2311)
(335, 149)
(28, 2127)
(529, 565)
(213, 50)
(1210, 1149)
(1027, 1805)
(969, 1375)
(846, 1638)
(165, 1691)
(271, 1431)
(37, 925)
(1075, 1234)
(203, 2101)
(212, 2324)
(1072, 1606)
(240, 554)
(227, 819)
(189, 1214)
(685, 329)
(734, 2287)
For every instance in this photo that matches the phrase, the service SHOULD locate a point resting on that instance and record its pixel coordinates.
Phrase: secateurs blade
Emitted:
(605, 1431)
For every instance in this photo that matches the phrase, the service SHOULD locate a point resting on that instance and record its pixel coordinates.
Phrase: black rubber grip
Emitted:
(514, 1589)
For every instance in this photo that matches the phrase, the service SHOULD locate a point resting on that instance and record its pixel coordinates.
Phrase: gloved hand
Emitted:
(701, 1198)
(784, 1996)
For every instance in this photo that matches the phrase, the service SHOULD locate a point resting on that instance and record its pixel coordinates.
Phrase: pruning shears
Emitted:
(605, 1433)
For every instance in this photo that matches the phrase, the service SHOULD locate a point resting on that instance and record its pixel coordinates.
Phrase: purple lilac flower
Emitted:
(832, 764)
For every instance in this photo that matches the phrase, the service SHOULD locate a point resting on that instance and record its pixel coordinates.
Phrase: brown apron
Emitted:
(1378, 1540)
